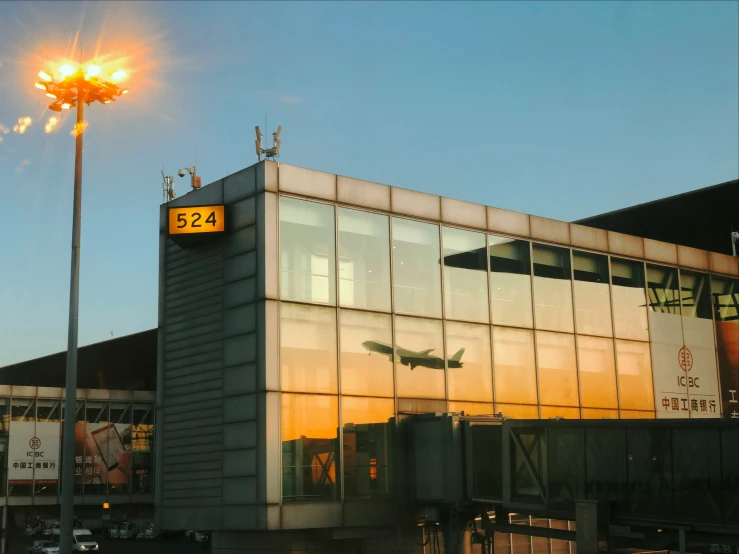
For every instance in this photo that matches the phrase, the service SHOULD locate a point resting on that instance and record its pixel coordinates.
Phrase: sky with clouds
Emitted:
(560, 109)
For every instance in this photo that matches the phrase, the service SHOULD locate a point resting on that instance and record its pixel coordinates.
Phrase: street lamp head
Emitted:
(93, 70)
(118, 76)
(40, 86)
(66, 70)
(66, 105)
(44, 76)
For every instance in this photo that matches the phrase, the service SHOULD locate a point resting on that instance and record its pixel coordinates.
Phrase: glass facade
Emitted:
(128, 427)
(423, 317)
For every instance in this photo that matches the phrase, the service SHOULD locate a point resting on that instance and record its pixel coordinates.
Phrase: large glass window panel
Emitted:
(367, 443)
(518, 411)
(663, 289)
(366, 353)
(421, 406)
(629, 300)
(595, 413)
(307, 252)
(310, 447)
(553, 288)
(634, 414)
(465, 275)
(725, 294)
(308, 348)
(472, 408)
(416, 268)
(548, 412)
(597, 372)
(510, 282)
(120, 416)
(592, 294)
(468, 362)
(142, 448)
(695, 294)
(419, 358)
(93, 466)
(364, 260)
(557, 369)
(635, 387)
(514, 366)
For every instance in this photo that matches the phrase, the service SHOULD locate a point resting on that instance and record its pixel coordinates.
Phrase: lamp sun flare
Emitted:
(85, 83)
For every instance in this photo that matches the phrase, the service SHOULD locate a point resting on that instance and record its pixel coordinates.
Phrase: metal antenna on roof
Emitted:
(273, 152)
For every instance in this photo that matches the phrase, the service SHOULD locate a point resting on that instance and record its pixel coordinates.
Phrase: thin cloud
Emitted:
(22, 167)
(287, 99)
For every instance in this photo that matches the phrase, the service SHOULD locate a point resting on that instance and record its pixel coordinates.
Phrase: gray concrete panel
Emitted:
(240, 379)
(194, 341)
(201, 308)
(240, 490)
(192, 369)
(243, 240)
(311, 516)
(243, 214)
(240, 517)
(240, 320)
(240, 462)
(240, 267)
(239, 408)
(209, 428)
(185, 353)
(240, 185)
(240, 350)
(240, 435)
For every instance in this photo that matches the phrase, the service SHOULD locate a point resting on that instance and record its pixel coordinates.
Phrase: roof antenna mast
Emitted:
(269, 153)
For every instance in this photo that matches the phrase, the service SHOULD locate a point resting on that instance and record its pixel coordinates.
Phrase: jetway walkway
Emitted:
(645, 484)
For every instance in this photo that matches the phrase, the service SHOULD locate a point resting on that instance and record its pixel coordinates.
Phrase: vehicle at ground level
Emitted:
(196, 536)
(124, 530)
(83, 541)
(151, 531)
(54, 529)
(35, 528)
(49, 526)
(43, 547)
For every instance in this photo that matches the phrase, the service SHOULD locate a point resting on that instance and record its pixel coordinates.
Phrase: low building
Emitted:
(114, 433)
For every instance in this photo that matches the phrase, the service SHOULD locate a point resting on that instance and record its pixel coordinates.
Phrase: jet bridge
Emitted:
(646, 484)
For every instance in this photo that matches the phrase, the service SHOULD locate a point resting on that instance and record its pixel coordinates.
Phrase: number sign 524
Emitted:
(196, 219)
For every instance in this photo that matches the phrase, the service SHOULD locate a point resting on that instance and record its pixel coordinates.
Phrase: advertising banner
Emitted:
(33, 453)
(684, 367)
(102, 453)
(727, 341)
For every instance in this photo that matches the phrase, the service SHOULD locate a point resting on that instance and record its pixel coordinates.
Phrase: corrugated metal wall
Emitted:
(207, 371)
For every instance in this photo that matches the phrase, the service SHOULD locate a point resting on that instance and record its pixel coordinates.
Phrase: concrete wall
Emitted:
(209, 399)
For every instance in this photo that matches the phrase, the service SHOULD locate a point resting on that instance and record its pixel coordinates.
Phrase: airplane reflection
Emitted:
(411, 357)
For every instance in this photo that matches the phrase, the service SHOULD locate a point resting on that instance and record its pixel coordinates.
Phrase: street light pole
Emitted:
(76, 87)
(66, 521)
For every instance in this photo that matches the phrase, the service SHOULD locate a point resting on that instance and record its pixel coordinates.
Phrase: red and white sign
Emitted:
(33, 453)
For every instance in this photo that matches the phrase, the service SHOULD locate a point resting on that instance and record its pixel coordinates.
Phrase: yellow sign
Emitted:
(199, 219)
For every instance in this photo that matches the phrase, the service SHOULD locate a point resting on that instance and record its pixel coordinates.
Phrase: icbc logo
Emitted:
(685, 359)
(34, 443)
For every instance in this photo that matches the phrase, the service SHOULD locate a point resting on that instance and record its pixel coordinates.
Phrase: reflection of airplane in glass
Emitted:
(412, 358)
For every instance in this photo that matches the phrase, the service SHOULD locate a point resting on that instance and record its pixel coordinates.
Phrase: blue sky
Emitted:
(560, 109)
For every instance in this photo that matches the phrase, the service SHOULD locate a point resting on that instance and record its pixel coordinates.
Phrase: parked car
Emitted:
(34, 528)
(113, 531)
(83, 541)
(123, 531)
(196, 536)
(55, 529)
(48, 526)
(43, 547)
(151, 531)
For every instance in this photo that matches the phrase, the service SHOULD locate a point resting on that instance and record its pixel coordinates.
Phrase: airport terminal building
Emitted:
(323, 310)
(115, 401)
